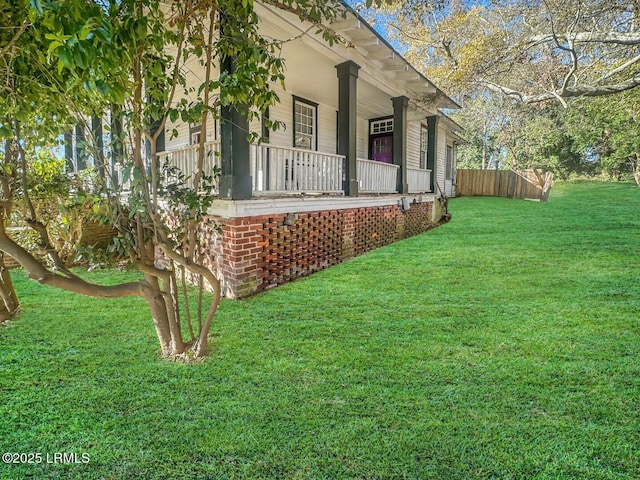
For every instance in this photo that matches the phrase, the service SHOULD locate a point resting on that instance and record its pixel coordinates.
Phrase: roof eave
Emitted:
(439, 99)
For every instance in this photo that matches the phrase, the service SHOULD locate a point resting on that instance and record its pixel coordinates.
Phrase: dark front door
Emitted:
(382, 149)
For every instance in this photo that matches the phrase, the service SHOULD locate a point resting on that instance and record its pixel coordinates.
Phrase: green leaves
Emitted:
(86, 33)
(36, 6)
(5, 131)
(57, 40)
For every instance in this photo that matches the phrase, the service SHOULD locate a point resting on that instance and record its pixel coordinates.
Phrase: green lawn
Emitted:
(504, 344)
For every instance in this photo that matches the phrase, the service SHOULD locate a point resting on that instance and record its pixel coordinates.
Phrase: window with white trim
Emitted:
(449, 165)
(194, 134)
(304, 124)
(423, 146)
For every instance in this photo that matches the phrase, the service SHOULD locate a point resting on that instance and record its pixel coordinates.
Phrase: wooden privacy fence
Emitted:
(530, 184)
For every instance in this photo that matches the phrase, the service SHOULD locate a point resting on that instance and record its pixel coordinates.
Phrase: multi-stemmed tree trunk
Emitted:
(10, 304)
(141, 223)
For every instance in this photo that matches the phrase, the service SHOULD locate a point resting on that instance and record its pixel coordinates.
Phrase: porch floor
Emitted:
(297, 203)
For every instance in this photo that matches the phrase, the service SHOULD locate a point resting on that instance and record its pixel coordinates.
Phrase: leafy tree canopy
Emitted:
(529, 50)
(512, 63)
(64, 62)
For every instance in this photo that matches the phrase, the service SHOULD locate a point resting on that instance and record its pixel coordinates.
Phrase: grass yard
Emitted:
(504, 344)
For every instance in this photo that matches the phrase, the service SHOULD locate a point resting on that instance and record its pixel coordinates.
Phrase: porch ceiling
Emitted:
(386, 62)
(384, 74)
(310, 67)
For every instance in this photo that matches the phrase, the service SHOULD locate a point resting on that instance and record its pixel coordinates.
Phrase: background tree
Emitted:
(607, 131)
(529, 50)
(481, 127)
(497, 57)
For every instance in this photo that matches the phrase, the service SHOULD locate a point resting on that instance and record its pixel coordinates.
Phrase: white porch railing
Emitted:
(185, 159)
(418, 180)
(283, 169)
(377, 177)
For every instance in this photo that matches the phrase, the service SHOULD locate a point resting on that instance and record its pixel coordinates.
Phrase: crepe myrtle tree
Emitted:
(69, 60)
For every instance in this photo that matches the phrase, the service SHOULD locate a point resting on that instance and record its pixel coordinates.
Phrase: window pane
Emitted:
(382, 126)
(449, 163)
(303, 141)
(304, 121)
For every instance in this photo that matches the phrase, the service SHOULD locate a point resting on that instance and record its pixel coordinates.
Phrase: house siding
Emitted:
(413, 144)
(282, 112)
(176, 141)
(362, 138)
(327, 128)
(446, 185)
(441, 160)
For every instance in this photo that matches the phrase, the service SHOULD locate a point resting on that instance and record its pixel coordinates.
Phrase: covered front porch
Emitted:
(350, 121)
(277, 170)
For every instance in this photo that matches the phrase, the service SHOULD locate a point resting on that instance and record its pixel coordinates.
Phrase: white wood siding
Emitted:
(441, 158)
(362, 138)
(327, 125)
(413, 144)
(282, 112)
(455, 166)
(256, 126)
(181, 140)
(447, 186)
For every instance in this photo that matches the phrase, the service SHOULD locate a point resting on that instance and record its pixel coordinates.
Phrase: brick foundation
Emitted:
(255, 253)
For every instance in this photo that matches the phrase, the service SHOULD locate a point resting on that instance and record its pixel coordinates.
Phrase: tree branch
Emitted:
(304, 16)
(16, 37)
(590, 37)
(40, 273)
(622, 67)
(569, 92)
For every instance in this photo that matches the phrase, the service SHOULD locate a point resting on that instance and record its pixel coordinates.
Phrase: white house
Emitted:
(366, 157)
(363, 161)
(395, 111)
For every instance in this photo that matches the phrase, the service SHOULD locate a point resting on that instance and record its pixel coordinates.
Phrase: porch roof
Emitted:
(454, 128)
(381, 65)
(423, 90)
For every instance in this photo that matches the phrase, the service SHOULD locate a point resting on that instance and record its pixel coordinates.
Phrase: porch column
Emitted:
(96, 131)
(347, 120)
(235, 180)
(432, 149)
(400, 105)
(117, 144)
(68, 151)
(81, 148)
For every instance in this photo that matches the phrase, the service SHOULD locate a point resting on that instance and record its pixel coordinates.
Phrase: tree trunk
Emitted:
(10, 304)
(155, 301)
(546, 188)
(161, 302)
(484, 145)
